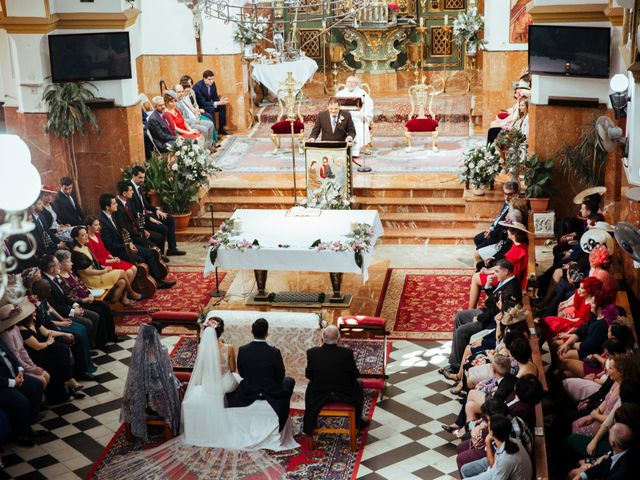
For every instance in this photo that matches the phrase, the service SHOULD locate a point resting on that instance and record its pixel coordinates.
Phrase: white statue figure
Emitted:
(363, 136)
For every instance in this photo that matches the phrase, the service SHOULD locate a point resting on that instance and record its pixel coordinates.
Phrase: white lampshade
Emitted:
(19, 185)
(619, 83)
(12, 147)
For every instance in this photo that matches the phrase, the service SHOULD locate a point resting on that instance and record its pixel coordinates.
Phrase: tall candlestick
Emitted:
(446, 19)
(421, 22)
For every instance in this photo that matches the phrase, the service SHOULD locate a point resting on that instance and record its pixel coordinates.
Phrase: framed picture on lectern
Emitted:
(328, 173)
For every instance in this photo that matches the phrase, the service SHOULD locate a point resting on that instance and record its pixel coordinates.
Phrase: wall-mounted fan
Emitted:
(628, 237)
(609, 136)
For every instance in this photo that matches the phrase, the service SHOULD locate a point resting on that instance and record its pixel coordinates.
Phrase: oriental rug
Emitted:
(420, 304)
(190, 294)
(331, 458)
(388, 155)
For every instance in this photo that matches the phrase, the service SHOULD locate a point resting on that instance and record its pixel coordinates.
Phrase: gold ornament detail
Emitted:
(441, 42)
(455, 4)
(310, 38)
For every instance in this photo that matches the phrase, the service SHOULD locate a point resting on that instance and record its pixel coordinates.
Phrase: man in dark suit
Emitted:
(66, 204)
(155, 220)
(333, 377)
(160, 127)
(129, 219)
(333, 124)
(507, 294)
(495, 231)
(620, 463)
(262, 370)
(20, 394)
(209, 100)
(46, 239)
(111, 223)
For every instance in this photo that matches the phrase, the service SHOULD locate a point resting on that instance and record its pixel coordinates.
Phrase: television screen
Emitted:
(574, 51)
(90, 57)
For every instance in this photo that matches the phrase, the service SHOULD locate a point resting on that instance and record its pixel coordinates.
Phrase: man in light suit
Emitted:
(208, 99)
(192, 116)
(160, 127)
(333, 124)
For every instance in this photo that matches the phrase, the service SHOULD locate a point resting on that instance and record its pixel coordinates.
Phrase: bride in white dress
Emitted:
(217, 442)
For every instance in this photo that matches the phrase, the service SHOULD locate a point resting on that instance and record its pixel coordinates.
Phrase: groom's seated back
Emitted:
(263, 377)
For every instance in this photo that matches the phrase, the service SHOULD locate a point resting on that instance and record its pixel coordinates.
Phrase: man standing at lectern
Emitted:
(333, 124)
(361, 118)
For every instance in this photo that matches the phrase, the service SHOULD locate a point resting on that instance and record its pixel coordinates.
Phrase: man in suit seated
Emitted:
(208, 99)
(333, 377)
(111, 232)
(46, 240)
(494, 234)
(262, 370)
(502, 297)
(155, 219)
(160, 127)
(66, 204)
(333, 124)
(20, 394)
(618, 464)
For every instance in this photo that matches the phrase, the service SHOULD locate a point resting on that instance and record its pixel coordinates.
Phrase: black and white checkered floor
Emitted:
(405, 440)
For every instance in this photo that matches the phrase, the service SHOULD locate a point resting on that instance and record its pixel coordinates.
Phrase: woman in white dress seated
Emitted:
(217, 442)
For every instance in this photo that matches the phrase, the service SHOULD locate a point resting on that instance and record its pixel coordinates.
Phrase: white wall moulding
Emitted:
(69, 21)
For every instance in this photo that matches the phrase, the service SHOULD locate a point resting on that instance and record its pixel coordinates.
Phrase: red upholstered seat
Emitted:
(184, 377)
(373, 383)
(283, 127)
(339, 406)
(360, 320)
(175, 317)
(428, 124)
(502, 115)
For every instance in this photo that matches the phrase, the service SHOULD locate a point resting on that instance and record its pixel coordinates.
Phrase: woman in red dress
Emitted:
(517, 255)
(576, 311)
(176, 118)
(104, 257)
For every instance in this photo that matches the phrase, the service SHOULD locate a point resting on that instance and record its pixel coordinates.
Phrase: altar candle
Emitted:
(237, 226)
(354, 224)
(446, 19)
(421, 21)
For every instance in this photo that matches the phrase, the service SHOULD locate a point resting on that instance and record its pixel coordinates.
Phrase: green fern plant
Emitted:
(69, 114)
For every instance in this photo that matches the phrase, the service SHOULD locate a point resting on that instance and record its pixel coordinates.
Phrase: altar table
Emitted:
(272, 75)
(285, 244)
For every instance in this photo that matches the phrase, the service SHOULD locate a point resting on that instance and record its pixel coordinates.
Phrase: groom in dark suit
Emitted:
(333, 377)
(334, 124)
(262, 370)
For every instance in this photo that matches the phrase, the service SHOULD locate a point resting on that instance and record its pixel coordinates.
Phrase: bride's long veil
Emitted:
(178, 459)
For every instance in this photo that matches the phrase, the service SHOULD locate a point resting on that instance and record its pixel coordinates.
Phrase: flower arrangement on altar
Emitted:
(358, 240)
(466, 28)
(511, 144)
(479, 166)
(189, 168)
(223, 238)
(330, 196)
(250, 31)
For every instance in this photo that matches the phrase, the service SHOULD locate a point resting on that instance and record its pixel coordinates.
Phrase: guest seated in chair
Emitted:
(175, 116)
(263, 376)
(192, 118)
(66, 204)
(333, 377)
(160, 126)
(493, 234)
(208, 99)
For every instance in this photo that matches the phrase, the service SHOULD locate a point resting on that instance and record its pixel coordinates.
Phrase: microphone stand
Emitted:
(363, 168)
(217, 293)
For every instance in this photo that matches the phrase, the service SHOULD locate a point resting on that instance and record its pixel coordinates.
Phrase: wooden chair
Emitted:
(364, 86)
(341, 410)
(421, 118)
(289, 99)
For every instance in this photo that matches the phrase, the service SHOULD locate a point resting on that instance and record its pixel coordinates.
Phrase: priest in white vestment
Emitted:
(362, 128)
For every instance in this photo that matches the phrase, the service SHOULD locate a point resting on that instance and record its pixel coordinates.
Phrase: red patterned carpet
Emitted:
(420, 304)
(190, 293)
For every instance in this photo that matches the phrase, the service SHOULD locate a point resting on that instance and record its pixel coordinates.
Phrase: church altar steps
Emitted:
(412, 204)
(422, 236)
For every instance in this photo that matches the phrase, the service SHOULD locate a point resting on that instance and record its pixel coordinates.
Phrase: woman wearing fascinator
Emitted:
(216, 442)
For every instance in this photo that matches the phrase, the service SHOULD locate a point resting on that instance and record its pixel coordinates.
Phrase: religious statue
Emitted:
(362, 117)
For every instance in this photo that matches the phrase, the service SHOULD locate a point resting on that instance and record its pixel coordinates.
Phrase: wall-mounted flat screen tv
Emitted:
(90, 57)
(571, 51)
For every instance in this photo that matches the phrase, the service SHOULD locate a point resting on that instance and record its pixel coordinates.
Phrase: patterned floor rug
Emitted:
(388, 155)
(189, 294)
(331, 458)
(420, 304)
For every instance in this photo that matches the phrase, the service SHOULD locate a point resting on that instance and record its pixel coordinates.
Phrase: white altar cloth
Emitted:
(273, 228)
(293, 333)
(272, 75)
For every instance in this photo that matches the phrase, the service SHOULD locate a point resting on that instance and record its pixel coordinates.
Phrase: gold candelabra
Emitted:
(336, 51)
(422, 30)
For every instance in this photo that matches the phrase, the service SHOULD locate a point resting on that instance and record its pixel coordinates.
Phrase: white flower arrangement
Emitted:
(358, 240)
(223, 238)
(467, 26)
(250, 31)
(330, 196)
(479, 166)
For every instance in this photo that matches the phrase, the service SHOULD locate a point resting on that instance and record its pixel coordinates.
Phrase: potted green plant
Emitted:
(479, 167)
(188, 170)
(537, 180)
(68, 113)
(511, 145)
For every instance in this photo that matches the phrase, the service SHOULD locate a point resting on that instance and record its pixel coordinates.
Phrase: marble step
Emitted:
(445, 191)
(389, 220)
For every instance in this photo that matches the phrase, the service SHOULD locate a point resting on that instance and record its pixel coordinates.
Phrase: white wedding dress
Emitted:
(217, 442)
